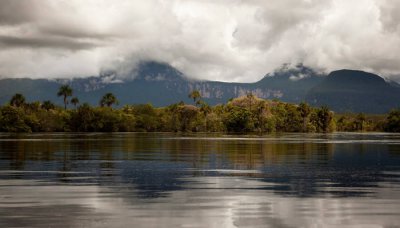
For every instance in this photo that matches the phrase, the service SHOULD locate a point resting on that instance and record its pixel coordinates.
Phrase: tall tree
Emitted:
(305, 111)
(325, 116)
(360, 122)
(196, 96)
(75, 101)
(17, 100)
(65, 91)
(108, 99)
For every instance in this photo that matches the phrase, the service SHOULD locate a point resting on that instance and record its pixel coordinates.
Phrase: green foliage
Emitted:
(126, 122)
(52, 121)
(182, 117)
(289, 118)
(187, 115)
(102, 119)
(75, 101)
(108, 100)
(195, 95)
(278, 113)
(65, 91)
(32, 107)
(238, 119)
(323, 120)
(17, 100)
(293, 122)
(244, 114)
(393, 121)
(106, 120)
(146, 118)
(214, 123)
(13, 119)
(48, 105)
(360, 122)
(305, 111)
(83, 119)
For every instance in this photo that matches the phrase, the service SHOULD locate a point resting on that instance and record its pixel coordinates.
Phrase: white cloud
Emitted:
(230, 40)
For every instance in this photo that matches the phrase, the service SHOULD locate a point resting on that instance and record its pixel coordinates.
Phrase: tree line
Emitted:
(244, 114)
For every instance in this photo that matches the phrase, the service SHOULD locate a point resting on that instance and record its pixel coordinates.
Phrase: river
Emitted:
(200, 180)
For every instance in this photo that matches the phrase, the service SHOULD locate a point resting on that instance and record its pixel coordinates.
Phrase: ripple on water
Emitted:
(164, 180)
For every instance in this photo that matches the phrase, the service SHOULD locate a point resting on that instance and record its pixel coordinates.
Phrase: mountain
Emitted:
(39, 89)
(161, 85)
(290, 84)
(355, 91)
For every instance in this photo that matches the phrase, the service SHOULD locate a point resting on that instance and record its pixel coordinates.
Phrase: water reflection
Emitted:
(153, 180)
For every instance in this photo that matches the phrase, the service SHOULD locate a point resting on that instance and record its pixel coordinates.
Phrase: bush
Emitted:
(238, 119)
(13, 119)
(393, 121)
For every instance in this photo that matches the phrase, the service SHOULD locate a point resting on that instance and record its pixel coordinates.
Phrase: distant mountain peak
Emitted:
(355, 91)
(354, 76)
(156, 71)
(293, 73)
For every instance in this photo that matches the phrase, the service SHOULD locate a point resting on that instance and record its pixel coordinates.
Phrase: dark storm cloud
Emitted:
(75, 33)
(9, 42)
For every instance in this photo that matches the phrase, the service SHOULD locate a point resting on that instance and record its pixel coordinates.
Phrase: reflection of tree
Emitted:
(199, 153)
(158, 163)
(18, 158)
(107, 156)
(255, 155)
(19, 152)
(65, 168)
(394, 150)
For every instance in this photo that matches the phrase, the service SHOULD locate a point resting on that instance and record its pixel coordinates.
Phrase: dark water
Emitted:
(169, 180)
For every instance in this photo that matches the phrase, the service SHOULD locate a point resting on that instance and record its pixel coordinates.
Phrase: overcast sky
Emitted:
(229, 40)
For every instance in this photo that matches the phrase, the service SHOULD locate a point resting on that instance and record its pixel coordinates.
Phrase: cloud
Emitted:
(18, 12)
(9, 42)
(229, 40)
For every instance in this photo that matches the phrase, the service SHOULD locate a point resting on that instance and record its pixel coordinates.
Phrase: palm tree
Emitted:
(65, 91)
(17, 100)
(108, 99)
(195, 95)
(75, 101)
(48, 105)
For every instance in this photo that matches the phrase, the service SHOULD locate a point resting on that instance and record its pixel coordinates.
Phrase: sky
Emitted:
(226, 40)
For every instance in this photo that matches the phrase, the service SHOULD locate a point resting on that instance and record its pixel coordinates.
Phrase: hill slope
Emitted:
(355, 91)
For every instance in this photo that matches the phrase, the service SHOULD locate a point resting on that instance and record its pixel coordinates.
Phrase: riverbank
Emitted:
(244, 115)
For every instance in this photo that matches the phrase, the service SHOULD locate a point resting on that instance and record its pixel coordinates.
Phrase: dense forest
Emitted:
(243, 114)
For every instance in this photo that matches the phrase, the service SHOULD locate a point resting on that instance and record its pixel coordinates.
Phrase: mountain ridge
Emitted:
(161, 85)
(355, 91)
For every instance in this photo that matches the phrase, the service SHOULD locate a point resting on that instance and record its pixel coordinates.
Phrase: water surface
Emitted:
(173, 180)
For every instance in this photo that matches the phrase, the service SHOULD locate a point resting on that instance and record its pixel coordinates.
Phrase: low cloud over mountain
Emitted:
(229, 40)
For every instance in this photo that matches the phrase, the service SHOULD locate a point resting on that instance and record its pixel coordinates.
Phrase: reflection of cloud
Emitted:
(206, 202)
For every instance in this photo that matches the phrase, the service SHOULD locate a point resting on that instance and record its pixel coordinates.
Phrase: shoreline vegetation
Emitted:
(246, 114)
